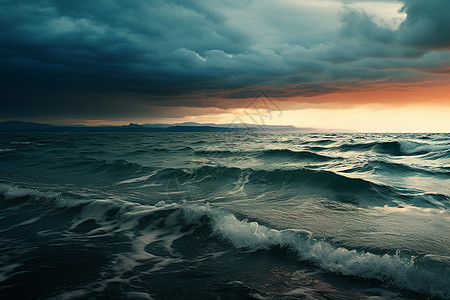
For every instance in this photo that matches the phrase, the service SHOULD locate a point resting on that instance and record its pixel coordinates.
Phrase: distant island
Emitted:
(19, 126)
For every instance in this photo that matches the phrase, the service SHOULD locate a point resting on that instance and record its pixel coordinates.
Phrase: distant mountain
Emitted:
(23, 126)
(252, 127)
(156, 125)
(18, 126)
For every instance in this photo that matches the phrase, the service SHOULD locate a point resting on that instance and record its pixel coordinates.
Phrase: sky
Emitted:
(380, 66)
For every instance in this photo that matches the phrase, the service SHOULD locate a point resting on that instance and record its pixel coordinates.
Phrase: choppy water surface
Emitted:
(224, 216)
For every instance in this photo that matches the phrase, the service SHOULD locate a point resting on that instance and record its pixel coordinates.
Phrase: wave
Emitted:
(335, 186)
(217, 179)
(324, 141)
(220, 180)
(186, 148)
(438, 155)
(395, 270)
(13, 192)
(108, 168)
(218, 153)
(314, 177)
(397, 169)
(317, 148)
(271, 154)
(208, 181)
(200, 142)
(297, 155)
(179, 149)
(394, 148)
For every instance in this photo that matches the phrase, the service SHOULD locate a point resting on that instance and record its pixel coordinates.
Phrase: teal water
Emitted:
(224, 216)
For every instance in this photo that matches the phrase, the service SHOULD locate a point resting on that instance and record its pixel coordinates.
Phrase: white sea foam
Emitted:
(11, 192)
(410, 147)
(299, 292)
(137, 179)
(20, 143)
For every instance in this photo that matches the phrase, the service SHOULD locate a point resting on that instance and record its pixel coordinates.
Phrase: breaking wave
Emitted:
(397, 270)
(394, 148)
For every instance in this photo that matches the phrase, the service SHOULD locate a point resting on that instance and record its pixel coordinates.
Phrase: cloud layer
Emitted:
(123, 59)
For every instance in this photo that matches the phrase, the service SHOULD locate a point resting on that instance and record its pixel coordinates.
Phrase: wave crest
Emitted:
(396, 270)
(394, 148)
(12, 192)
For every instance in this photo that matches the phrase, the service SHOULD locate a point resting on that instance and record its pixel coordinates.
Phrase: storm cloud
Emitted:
(112, 59)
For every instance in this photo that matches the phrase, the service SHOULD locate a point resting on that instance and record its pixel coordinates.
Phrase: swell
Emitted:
(398, 169)
(271, 154)
(257, 176)
(219, 153)
(115, 166)
(76, 169)
(324, 142)
(296, 155)
(103, 168)
(175, 149)
(439, 155)
(316, 178)
(394, 148)
(219, 179)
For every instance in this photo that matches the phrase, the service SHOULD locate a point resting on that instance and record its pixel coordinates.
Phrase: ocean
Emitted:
(224, 216)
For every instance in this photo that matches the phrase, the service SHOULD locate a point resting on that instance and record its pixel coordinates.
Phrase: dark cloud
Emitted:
(427, 25)
(357, 24)
(92, 59)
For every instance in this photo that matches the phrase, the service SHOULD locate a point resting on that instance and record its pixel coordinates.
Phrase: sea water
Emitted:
(224, 216)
